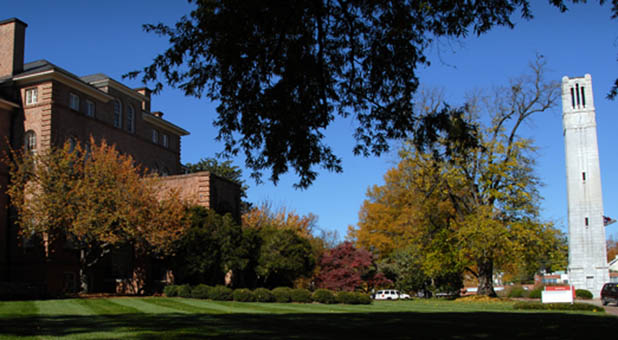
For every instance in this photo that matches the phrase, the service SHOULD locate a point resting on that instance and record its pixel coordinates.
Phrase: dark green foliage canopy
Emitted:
(212, 246)
(282, 71)
(284, 256)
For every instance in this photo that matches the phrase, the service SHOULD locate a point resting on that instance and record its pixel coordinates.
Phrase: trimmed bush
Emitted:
(170, 290)
(324, 296)
(263, 295)
(363, 299)
(184, 291)
(353, 298)
(300, 295)
(282, 294)
(583, 294)
(201, 291)
(220, 293)
(536, 292)
(558, 306)
(243, 295)
(517, 292)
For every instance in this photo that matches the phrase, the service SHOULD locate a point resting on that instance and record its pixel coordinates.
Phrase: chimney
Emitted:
(158, 114)
(144, 91)
(12, 40)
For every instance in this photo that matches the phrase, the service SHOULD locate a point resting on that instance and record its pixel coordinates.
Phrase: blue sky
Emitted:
(87, 37)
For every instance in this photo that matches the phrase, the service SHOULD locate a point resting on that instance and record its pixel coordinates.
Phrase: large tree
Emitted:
(474, 208)
(94, 198)
(347, 268)
(291, 67)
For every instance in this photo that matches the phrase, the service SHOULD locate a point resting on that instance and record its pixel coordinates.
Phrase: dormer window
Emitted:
(117, 114)
(32, 96)
(74, 101)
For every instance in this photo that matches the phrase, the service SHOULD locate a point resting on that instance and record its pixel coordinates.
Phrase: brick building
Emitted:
(43, 105)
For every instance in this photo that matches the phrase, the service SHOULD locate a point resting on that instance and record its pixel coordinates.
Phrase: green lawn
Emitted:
(178, 318)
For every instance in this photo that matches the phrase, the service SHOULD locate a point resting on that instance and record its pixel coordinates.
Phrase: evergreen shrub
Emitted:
(517, 292)
(220, 293)
(184, 291)
(243, 295)
(282, 294)
(300, 295)
(536, 292)
(528, 305)
(353, 298)
(583, 294)
(263, 295)
(201, 291)
(170, 290)
(324, 296)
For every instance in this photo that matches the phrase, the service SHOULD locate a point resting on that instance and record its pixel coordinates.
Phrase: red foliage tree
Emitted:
(347, 268)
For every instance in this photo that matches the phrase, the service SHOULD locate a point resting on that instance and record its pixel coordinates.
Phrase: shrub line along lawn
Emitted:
(183, 318)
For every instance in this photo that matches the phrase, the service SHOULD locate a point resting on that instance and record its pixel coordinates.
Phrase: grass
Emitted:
(178, 318)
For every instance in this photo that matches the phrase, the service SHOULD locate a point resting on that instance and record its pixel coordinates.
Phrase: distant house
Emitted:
(43, 105)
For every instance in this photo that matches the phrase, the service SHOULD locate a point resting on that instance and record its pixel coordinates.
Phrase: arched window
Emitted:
(130, 119)
(30, 141)
(117, 113)
(165, 172)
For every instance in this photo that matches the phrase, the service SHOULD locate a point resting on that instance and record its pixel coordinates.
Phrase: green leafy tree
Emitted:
(292, 67)
(476, 208)
(94, 199)
(212, 247)
(284, 256)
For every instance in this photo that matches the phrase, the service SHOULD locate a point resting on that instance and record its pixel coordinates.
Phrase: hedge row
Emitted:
(519, 292)
(279, 294)
(558, 306)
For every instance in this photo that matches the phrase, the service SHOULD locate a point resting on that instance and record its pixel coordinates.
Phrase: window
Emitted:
(165, 140)
(30, 141)
(130, 119)
(74, 101)
(72, 144)
(32, 96)
(90, 108)
(117, 113)
(155, 136)
(586, 221)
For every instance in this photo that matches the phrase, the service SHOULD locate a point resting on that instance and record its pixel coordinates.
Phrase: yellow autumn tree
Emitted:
(474, 207)
(95, 198)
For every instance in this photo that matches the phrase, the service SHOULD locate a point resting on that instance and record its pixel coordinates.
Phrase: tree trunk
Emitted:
(486, 282)
(83, 276)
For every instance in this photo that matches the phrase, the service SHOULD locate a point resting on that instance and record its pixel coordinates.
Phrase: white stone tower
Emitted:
(587, 249)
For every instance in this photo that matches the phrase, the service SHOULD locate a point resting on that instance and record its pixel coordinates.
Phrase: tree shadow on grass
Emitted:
(315, 326)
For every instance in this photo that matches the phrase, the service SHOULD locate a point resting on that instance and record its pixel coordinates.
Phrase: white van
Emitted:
(390, 294)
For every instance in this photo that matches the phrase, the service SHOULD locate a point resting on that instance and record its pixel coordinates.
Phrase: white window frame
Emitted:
(155, 136)
(90, 108)
(30, 140)
(32, 96)
(117, 113)
(130, 119)
(165, 140)
(74, 101)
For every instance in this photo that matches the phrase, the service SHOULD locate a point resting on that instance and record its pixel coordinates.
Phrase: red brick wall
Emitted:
(208, 190)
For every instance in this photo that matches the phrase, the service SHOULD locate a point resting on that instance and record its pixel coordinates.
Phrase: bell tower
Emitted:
(587, 248)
